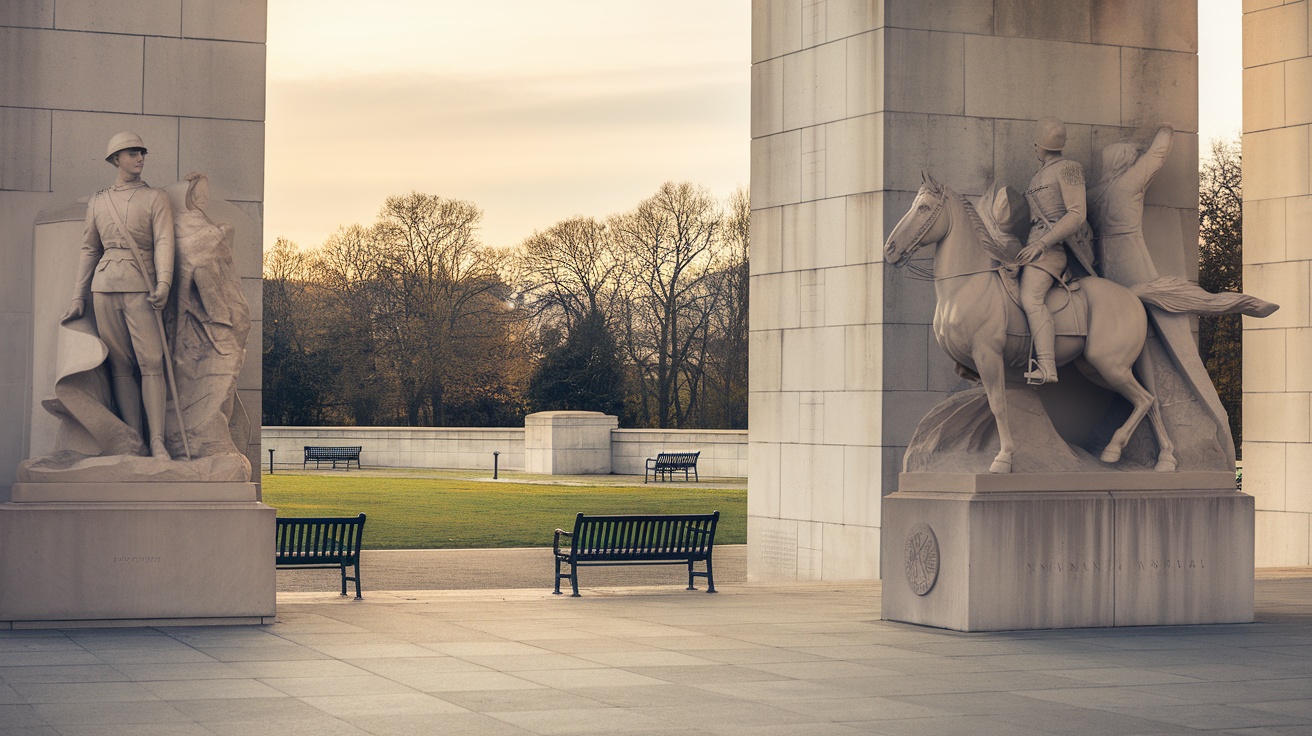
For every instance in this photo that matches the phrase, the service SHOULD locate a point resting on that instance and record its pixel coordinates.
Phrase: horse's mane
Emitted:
(986, 240)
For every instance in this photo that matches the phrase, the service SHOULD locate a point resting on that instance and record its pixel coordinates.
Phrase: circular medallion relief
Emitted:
(921, 559)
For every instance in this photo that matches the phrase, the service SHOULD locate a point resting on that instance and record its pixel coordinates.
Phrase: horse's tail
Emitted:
(1174, 294)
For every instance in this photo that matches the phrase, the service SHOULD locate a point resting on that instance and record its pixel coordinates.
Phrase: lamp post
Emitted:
(270, 461)
(495, 460)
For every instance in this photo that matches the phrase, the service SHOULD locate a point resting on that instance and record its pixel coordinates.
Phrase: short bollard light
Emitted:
(495, 459)
(270, 462)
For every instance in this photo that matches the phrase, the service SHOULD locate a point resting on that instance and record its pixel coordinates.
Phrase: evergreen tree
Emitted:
(583, 373)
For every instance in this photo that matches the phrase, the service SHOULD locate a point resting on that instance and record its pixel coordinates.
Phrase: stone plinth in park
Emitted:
(568, 442)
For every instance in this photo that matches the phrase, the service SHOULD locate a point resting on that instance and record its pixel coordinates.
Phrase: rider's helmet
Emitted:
(1050, 134)
(122, 142)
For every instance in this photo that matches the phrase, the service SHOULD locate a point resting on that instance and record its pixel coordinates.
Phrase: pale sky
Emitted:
(537, 111)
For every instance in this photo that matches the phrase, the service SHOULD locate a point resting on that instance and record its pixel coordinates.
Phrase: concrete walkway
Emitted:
(483, 569)
(810, 660)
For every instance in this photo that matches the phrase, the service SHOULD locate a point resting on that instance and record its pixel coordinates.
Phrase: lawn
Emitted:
(453, 513)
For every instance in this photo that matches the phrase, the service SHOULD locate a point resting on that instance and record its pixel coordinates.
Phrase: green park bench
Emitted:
(652, 539)
(321, 542)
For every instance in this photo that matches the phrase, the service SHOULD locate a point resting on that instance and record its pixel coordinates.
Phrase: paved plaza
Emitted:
(806, 659)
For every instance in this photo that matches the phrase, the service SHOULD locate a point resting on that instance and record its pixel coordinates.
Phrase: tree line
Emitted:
(413, 321)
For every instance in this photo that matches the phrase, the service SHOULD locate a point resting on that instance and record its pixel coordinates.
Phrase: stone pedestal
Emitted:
(568, 442)
(142, 554)
(964, 553)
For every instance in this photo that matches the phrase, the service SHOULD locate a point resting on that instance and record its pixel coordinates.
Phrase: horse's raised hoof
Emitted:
(1001, 465)
(1165, 463)
(1110, 456)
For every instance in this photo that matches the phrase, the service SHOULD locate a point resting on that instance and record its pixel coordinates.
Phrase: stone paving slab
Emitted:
(810, 659)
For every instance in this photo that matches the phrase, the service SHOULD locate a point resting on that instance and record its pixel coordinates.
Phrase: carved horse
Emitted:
(972, 316)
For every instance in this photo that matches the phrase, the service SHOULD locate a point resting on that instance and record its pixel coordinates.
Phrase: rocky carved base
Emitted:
(72, 467)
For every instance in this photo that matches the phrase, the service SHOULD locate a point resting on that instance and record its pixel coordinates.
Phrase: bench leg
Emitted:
(557, 590)
(710, 577)
(355, 579)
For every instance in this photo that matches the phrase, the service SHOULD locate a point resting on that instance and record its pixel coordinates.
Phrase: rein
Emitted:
(921, 273)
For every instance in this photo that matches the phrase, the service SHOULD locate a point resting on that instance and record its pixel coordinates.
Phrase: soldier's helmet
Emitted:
(122, 142)
(1050, 134)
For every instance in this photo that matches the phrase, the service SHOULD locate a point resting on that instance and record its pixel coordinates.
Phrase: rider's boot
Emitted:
(127, 396)
(153, 394)
(1044, 367)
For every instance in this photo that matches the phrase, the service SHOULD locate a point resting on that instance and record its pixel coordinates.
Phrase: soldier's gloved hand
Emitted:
(1030, 252)
(75, 311)
(160, 296)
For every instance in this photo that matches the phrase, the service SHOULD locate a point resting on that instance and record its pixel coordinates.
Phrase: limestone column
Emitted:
(188, 75)
(851, 99)
(1277, 442)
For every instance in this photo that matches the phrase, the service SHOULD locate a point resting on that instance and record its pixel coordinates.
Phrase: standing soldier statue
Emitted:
(126, 271)
(1057, 219)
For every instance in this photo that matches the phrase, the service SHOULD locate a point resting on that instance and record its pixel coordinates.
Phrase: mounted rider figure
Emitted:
(1058, 229)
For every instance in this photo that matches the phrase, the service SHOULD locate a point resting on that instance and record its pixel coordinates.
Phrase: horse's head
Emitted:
(921, 224)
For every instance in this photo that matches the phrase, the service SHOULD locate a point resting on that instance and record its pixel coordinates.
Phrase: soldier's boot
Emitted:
(127, 395)
(1044, 368)
(154, 397)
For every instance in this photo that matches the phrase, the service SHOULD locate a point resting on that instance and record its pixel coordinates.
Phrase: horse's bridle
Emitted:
(916, 243)
(927, 274)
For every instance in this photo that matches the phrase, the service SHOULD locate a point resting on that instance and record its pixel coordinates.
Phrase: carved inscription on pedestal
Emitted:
(922, 559)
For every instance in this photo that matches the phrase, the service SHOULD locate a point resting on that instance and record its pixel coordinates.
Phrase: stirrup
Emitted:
(1037, 376)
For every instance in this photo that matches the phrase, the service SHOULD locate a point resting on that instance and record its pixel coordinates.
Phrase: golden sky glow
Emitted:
(536, 111)
(533, 111)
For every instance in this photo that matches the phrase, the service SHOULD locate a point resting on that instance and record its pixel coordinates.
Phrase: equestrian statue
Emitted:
(1027, 284)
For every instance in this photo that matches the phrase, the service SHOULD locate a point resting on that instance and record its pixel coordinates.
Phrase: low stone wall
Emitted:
(723, 452)
(402, 447)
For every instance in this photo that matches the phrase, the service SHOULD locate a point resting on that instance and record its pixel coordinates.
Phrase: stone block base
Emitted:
(108, 563)
(1039, 560)
(568, 442)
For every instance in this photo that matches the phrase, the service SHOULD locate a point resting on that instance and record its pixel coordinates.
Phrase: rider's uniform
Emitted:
(1057, 212)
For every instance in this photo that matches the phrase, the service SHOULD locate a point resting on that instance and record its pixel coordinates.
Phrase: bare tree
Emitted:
(571, 268)
(725, 386)
(669, 245)
(1220, 268)
(431, 273)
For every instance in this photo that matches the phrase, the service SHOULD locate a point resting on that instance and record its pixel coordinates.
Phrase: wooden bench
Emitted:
(323, 543)
(664, 465)
(652, 539)
(335, 454)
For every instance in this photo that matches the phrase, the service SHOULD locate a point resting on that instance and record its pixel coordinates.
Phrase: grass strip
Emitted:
(441, 513)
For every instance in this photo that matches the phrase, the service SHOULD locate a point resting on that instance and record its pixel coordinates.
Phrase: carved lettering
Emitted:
(137, 560)
(1074, 568)
(1169, 565)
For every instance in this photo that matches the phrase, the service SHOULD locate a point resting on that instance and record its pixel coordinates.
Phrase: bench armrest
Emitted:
(555, 545)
